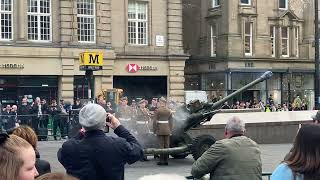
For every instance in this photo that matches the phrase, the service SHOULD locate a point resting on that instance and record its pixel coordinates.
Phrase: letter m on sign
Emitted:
(94, 60)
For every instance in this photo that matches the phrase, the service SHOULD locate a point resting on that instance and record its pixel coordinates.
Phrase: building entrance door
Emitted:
(141, 86)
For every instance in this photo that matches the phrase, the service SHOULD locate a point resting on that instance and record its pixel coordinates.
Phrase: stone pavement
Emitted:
(272, 155)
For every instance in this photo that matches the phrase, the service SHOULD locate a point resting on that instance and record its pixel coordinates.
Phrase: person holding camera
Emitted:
(96, 156)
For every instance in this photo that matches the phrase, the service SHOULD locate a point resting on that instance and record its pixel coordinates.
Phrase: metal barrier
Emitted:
(45, 125)
(207, 177)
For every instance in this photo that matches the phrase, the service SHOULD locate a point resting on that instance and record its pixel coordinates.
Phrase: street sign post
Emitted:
(89, 62)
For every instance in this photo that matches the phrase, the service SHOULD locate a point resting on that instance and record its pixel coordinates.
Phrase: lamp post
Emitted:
(289, 79)
(317, 60)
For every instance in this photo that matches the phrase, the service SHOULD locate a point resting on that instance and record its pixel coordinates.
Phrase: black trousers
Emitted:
(57, 123)
(35, 124)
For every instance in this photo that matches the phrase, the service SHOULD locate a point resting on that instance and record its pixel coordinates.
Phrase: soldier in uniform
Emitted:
(142, 120)
(162, 126)
(125, 113)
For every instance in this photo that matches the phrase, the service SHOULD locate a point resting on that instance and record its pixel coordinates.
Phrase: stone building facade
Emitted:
(233, 42)
(41, 41)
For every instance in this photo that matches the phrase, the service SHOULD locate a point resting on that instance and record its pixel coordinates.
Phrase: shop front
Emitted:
(141, 79)
(150, 77)
(284, 87)
(14, 88)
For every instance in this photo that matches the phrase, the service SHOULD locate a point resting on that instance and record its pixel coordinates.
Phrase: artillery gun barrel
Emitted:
(197, 118)
(263, 77)
(175, 150)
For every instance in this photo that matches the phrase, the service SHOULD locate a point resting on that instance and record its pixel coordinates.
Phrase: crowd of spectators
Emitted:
(93, 155)
(298, 104)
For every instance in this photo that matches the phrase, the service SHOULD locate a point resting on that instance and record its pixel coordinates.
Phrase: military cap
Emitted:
(124, 98)
(142, 101)
(162, 99)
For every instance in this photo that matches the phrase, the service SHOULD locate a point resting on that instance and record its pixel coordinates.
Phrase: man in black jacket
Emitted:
(24, 112)
(97, 156)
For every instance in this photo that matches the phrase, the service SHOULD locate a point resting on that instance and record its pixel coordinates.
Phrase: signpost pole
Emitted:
(89, 74)
(89, 62)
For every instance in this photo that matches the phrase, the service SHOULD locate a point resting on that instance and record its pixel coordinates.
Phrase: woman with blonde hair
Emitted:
(28, 134)
(17, 158)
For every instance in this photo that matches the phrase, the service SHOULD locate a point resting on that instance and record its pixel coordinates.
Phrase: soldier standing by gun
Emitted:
(142, 120)
(162, 128)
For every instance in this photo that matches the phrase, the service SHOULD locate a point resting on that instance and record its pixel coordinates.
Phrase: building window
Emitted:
(86, 21)
(273, 40)
(39, 20)
(138, 23)
(245, 2)
(248, 38)
(213, 39)
(285, 41)
(215, 3)
(6, 20)
(297, 40)
(283, 4)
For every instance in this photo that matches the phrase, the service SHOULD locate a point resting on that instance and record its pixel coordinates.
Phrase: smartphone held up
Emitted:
(108, 119)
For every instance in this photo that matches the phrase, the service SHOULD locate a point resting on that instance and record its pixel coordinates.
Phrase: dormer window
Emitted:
(283, 4)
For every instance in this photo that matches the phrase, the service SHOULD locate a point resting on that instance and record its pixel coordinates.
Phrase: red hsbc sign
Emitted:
(133, 68)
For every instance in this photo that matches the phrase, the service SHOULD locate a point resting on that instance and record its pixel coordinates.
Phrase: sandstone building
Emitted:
(232, 42)
(40, 43)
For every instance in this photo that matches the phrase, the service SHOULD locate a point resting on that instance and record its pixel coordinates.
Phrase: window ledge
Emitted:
(215, 8)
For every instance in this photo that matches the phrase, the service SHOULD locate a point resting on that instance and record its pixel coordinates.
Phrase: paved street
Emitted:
(272, 154)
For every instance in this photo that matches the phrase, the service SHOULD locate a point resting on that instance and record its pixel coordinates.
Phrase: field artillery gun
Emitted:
(194, 115)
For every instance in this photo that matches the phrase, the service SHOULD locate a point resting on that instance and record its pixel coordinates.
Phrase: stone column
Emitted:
(22, 21)
(68, 21)
(174, 21)
(176, 78)
(66, 80)
(103, 22)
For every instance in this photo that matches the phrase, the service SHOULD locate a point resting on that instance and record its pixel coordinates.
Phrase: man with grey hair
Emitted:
(97, 156)
(235, 157)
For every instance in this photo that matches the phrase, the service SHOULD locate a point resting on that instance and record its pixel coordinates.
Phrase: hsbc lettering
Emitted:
(133, 68)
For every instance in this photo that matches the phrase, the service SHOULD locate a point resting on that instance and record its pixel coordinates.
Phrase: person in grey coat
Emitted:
(235, 157)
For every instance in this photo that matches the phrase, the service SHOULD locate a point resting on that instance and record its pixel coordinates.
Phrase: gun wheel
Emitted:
(200, 145)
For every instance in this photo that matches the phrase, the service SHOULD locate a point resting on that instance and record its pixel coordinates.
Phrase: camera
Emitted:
(108, 119)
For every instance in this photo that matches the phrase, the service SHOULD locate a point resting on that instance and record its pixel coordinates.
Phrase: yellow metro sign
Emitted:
(91, 61)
